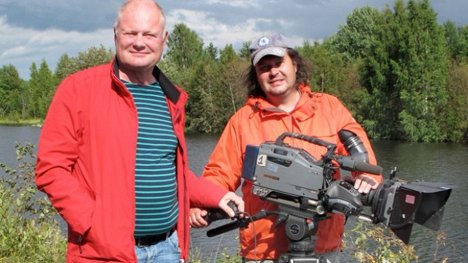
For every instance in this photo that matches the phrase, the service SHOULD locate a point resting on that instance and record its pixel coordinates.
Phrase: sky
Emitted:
(33, 30)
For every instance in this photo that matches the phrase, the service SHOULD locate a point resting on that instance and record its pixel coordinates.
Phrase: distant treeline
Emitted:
(403, 75)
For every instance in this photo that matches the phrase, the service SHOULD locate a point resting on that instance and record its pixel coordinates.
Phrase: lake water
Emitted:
(446, 163)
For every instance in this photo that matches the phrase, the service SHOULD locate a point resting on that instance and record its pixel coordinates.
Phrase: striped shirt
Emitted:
(155, 175)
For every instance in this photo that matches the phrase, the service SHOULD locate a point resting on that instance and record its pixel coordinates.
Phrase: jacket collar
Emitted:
(260, 103)
(170, 90)
(305, 109)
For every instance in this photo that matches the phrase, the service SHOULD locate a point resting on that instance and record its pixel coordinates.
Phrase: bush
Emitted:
(30, 231)
(373, 243)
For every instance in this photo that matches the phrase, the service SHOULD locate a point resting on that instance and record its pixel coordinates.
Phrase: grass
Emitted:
(29, 231)
(31, 122)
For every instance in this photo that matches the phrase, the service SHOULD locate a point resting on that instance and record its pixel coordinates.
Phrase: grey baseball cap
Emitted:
(275, 45)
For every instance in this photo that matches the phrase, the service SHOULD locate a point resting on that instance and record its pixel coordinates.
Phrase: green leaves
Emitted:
(404, 67)
(373, 243)
(29, 231)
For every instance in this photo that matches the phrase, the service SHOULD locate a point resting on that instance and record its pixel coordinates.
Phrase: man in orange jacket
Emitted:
(280, 100)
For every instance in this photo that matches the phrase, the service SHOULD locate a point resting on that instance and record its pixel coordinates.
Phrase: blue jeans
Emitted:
(166, 251)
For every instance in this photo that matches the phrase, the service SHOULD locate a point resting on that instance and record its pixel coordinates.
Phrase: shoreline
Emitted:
(29, 122)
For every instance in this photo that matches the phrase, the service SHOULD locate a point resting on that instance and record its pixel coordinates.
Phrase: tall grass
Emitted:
(29, 230)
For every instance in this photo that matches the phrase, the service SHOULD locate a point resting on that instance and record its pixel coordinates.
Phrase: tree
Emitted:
(65, 66)
(360, 33)
(202, 111)
(11, 93)
(420, 68)
(334, 74)
(91, 57)
(42, 85)
(94, 56)
(457, 41)
(455, 115)
(244, 51)
(185, 50)
(228, 54)
(185, 47)
(365, 39)
(403, 65)
(211, 51)
(232, 91)
(463, 33)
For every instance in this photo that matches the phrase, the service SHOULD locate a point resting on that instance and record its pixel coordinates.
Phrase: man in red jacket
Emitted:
(281, 100)
(112, 153)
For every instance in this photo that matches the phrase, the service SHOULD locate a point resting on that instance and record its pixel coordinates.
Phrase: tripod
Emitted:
(299, 230)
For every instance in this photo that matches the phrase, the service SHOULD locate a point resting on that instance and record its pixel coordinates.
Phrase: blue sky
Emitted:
(33, 30)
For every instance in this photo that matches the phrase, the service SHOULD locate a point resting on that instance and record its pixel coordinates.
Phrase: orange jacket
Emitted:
(316, 114)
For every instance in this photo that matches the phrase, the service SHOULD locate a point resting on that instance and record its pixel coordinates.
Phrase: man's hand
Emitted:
(231, 196)
(364, 183)
(196, 217)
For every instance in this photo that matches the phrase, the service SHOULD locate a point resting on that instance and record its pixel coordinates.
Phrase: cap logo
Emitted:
(263, 41)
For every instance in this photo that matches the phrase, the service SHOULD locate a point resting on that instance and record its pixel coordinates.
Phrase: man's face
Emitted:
(276, 76)
(140, 37)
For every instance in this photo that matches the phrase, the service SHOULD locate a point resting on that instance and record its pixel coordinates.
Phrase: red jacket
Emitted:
(316, 114)
(86, 164)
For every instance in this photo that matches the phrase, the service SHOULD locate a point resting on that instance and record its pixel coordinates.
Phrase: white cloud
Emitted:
(221, 34)
(236, 3)
(22, 46)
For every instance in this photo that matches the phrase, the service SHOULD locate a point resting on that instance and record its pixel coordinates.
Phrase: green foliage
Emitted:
(421, 72)
(42, 86)
(211, 51)
(403, 63)
(333, 74)
(358, 37)
(371, 243)
(185, 48)
(457, 42)
(91, 57)
(232, 92)
(12, 93)
(365, 40)
(29, 231)
(454, 121)
(244, 52)
(20, 100)
(213, 82)
(202, 106)
(215, 92)
(65, 67)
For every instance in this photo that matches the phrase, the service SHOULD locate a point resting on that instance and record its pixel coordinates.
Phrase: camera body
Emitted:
(284, 175)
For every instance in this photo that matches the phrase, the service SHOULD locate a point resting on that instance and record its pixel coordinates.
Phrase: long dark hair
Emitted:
(302, 74)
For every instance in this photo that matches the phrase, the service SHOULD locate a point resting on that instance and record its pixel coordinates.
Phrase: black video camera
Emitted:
(304, 186)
